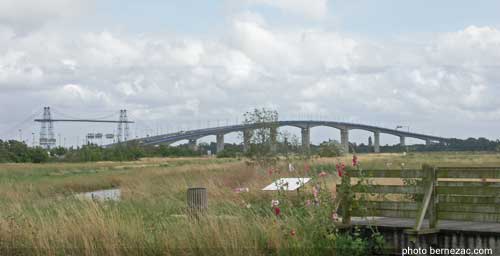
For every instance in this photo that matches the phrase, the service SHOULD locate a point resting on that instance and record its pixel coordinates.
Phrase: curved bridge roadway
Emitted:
(193, 135)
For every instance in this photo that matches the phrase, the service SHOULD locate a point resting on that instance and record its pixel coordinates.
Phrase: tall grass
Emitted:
(39, 215)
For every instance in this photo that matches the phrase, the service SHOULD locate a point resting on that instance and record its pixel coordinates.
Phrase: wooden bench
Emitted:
(436, 193)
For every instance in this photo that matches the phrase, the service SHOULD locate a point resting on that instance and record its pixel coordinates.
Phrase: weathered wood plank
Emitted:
(469, 199)
(391, 205)
(480, 191)
(398, 173)
(462, 207)
(384, 213)
(468, 216)
(469, 167)
(468, 173)
(388, 189)
(469, 184)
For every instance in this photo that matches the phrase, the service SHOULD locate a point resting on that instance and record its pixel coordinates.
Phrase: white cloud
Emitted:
(296, 70)
(26, 15)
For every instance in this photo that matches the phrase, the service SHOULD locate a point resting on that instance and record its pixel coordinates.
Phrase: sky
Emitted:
(430, 66)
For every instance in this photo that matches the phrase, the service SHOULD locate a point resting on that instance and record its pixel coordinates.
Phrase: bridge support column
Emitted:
(273, 135)
(428, 142)
(376, 143)
(402, 140)
(247, 134)
(220, 142)
(306, 139)
(192, 145)
(344, 139)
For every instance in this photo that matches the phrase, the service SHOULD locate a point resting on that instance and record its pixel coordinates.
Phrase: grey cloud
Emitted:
(173, 80)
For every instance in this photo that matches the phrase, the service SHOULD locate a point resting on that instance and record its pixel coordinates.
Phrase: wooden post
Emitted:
(197, 201)
(433, 202)
(346, 199)
(429, 200)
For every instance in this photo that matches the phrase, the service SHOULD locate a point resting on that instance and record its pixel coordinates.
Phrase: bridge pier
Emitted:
(428, 142)
(376, 144)
(220, 142)
(247, 134)
(306, 139)
(344, 139)
(273, 135)
(402, 140)
(192, 145)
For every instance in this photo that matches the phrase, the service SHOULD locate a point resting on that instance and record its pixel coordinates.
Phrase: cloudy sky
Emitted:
(431, 65)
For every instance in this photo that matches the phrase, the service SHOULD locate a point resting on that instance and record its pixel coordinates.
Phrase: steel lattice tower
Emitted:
(120, 127)
(125, 122)
(123, 129)
(47, 138)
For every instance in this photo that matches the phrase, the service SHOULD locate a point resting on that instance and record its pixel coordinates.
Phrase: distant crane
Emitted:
(47, 137)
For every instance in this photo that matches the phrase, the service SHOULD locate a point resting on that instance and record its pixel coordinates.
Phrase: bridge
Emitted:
(305, 125)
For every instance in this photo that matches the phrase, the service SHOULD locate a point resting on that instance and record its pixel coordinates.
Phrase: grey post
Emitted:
(273, 134)
(376, 144)
(197, 202)
(344, 139)
(220, 142)
(247, 134)
(306, 139)
(192, 145)
(402, 142)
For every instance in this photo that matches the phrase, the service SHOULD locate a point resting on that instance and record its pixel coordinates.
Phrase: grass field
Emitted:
(39, 213)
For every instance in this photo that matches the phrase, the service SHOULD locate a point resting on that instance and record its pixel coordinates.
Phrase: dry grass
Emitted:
(39, 216)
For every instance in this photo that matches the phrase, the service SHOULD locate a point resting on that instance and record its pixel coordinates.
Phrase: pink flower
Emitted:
(277, 211)
(315, 192)
(354, 160)
(322, 174)
(340, 169)
(270, 171)
(308, 202)
(292, 232)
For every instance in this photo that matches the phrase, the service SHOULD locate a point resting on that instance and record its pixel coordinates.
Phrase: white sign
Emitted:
(288, 184)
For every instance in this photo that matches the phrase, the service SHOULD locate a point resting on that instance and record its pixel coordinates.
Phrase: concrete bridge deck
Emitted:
(305, 125)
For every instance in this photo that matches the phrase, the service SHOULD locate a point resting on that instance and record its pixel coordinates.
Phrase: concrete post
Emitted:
(273, 134)
(428, 142)
(344, 139)
(376, 144)
(220, 142)
(306, 139)
(246, 140)
(192, 145)
(402, 141)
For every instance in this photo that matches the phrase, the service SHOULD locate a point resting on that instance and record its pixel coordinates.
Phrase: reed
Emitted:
(39, 215)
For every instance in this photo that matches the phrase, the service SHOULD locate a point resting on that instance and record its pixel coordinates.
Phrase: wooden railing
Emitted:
(435, 193)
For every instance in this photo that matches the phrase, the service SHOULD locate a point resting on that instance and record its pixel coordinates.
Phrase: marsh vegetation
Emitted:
(39, 213)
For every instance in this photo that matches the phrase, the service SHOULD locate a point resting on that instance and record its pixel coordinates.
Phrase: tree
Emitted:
(329, 149)
(264, 136)
(39, 155)
(58, 151)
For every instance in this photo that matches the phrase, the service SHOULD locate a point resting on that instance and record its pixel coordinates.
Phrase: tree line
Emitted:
(18, 152)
